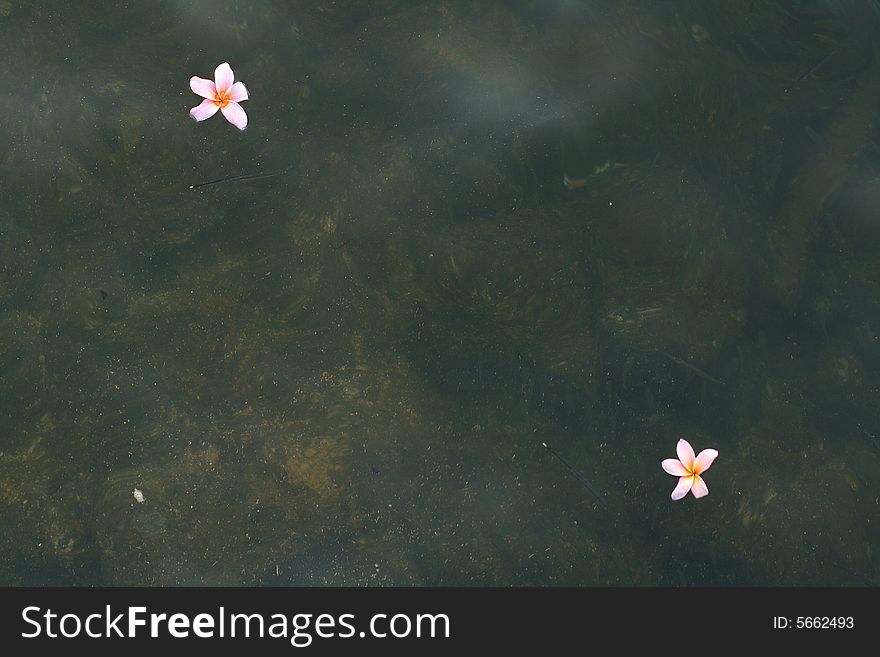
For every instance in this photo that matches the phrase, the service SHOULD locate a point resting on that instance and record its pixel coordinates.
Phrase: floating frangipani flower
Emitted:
(688, 468)
(222, 94)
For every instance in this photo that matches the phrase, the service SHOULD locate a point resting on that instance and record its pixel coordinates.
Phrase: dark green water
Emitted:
(603, 226)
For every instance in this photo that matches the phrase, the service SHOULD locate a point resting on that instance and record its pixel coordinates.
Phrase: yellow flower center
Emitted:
(222, 99)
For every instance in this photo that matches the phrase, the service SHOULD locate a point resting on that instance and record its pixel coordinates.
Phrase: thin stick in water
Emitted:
(577, 475)
(692, 368)
(241, 177)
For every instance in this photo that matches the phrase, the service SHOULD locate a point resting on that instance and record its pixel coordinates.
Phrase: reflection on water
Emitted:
(600, 226)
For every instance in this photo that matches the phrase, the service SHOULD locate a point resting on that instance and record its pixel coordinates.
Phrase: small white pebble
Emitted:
(139, 495)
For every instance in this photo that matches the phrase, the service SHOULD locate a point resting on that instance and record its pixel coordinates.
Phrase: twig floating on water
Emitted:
(242, 177)
(577, 475)
(815, 67)
(692, 368)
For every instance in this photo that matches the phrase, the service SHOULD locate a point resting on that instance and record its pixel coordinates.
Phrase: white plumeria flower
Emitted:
(222, 94)
(688, 468)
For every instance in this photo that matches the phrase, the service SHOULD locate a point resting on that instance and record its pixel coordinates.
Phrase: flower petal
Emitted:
(204, 88)
(223, 77)
(684, 485)
(704, 460)
(674, 467)
(238, 92)
(699, 489)
(685, 453)
(205, 110)
(235, 115)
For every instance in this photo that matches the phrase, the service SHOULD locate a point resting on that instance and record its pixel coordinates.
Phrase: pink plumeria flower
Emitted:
(221, 95)
(689, 469)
